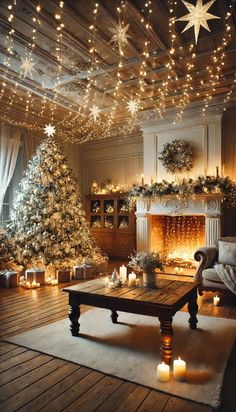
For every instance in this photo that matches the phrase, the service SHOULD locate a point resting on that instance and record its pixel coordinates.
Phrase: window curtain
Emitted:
(9, 147)
(30, 144)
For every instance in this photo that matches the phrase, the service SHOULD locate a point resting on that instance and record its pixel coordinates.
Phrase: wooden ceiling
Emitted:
(165, 88)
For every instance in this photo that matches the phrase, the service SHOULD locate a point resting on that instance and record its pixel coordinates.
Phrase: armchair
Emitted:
(206, 274)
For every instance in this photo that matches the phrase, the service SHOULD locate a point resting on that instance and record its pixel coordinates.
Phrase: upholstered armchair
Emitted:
(206, 274)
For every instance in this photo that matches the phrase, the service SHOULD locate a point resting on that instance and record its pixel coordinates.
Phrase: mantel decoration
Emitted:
(177, 156)
(187, 189)
(146, 263)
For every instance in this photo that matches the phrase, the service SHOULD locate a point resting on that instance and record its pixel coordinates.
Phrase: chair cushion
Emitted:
(231, 239)
(214, 285)
(227, 253)
(211, 275)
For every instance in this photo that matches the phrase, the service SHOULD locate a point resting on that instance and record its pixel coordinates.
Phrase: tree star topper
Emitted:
(197, 16)
(132, 106)
(27, 66)
(94, 112)
(49, 130)
(120, 36)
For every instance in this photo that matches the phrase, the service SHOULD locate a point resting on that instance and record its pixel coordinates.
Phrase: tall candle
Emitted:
(163, 372)
(123, 273)
(216, 300)
(142, 179)
(132, 279)
(179, 369)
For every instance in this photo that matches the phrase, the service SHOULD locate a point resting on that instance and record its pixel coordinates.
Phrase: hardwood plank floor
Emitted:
(32, 381)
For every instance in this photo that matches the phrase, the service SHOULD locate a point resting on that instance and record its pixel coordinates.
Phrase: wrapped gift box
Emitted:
(88, 271)
(64, 275)
(78, 272)
(9, 279)
(35, 274)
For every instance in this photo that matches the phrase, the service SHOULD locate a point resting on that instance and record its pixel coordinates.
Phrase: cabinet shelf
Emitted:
(112, 224)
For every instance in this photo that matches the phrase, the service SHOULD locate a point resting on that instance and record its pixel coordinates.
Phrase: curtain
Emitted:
(9, 147)
(30, 144)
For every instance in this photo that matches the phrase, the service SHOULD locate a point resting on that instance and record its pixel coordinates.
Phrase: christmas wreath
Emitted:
(177, 156)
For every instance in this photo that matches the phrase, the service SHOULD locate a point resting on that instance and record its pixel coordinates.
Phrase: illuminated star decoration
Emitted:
(94, 112)
(132, 106)
(49, 130)
(197, 16)
(120, 36)
(27, 66)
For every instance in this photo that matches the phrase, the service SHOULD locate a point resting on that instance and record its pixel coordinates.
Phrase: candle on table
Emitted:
(132, 279)
(163, 372)
(216, 300)
(179, 369)
(123, 273)
(142, 179)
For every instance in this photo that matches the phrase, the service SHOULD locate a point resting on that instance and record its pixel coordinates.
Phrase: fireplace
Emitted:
(177, 227)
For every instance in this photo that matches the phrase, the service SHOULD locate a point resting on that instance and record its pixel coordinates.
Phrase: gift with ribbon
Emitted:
(35, 274)
(64, 275)
(78, 272)
(9, 279)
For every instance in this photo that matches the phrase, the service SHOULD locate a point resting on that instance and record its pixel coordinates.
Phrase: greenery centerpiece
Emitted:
(146, 263)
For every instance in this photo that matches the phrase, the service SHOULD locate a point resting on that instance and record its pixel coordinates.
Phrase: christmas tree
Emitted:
(47, 222)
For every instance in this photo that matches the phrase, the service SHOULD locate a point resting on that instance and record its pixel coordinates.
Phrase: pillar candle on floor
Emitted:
(179, 369)
(163, 372)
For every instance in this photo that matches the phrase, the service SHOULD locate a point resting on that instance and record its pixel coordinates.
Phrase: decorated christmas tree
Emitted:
(47, 222)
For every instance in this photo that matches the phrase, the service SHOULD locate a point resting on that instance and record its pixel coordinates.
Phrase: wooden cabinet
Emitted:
(112, 224)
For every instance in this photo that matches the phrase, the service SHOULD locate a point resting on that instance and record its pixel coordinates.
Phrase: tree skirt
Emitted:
(130, 349)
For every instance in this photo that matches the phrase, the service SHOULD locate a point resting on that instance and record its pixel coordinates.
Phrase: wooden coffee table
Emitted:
(162, 302)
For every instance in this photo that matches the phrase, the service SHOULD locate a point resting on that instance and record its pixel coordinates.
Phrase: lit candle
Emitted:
(34, 284)
(142, 179)
(132, 279)
(54, 282)
(176, 269)
(179, 369)
(123, 273)
(151, 180)
(163, 372)
(216, 300)
(181, 271)
(48, 281)
(28, 285)
(38, 285)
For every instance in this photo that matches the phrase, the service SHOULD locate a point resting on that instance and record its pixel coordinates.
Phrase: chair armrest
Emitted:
(206, 256)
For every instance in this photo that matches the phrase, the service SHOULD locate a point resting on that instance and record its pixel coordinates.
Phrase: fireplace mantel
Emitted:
(208, 205)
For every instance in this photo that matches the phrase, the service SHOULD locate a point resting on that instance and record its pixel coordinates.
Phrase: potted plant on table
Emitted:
(147, 263)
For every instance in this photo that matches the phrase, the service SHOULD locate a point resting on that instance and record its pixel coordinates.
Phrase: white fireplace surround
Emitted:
(202, 205)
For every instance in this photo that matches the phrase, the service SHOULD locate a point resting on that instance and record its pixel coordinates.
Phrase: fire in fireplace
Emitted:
(177, 238)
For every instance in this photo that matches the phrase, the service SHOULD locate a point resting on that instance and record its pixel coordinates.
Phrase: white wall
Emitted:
(203, 134)
(120, 160)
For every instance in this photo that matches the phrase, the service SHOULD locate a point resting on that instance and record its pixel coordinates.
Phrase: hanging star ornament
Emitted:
(49, 130)
(198, 16)
(132, 106)
(27, 66)
(120, 36)
(94, 112)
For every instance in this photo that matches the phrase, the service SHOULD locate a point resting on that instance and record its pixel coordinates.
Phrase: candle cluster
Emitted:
(27, 284)
(179, 370)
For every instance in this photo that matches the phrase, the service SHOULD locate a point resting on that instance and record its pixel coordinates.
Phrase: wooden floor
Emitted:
(32, 381)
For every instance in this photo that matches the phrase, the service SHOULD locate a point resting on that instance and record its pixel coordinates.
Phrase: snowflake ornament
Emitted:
(132, 106)
(49, 130)
(27, 66)
(120, 36)
(198, 16)
(94, 112)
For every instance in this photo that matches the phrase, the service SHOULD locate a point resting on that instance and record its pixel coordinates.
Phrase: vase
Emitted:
(149, 279)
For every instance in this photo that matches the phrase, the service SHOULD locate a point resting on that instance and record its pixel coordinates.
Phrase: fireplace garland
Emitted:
(187, 189)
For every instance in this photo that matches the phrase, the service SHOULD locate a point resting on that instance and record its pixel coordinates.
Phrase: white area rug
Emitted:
(131, 349)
